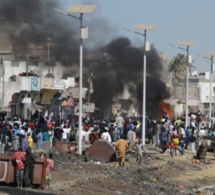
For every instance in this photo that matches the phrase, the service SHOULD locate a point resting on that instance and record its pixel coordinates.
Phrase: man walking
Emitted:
(139, 150)
(119, 125)
(121, 146)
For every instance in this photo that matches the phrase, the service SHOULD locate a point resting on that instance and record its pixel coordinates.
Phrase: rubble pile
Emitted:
(158, 174)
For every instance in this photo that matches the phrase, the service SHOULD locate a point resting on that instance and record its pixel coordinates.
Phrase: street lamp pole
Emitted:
(144, 93)
(81, 9)
(80, 89)
(48, 44)
(89, 84)
(187, 86)
(211, 74)
(145, 28)
(3, 90)
(189, 60)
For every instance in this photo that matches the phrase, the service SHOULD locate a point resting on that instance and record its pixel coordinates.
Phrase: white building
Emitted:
(204, 84)
(21, 93)
(198, 95)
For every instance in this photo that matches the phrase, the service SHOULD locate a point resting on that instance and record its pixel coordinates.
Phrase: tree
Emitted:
(178, 67)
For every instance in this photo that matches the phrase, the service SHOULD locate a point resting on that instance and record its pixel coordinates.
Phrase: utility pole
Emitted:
(3, 72)
(89, 84)
(81, 9)
(48, 42)
(27, 64)
(146, 48)
(189, 61)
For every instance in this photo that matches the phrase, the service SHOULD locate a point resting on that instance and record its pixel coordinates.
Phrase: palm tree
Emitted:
(178, 67)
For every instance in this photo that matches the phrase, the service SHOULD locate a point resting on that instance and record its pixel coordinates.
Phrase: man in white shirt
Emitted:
(65, 134)
(106, 136)
(202, 130)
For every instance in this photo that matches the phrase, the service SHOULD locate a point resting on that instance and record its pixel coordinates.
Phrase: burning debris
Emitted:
(166, 109)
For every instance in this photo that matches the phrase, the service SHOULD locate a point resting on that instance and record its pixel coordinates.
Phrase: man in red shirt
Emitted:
(19, 158)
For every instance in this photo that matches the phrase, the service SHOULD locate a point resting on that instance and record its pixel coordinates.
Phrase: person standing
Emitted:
(119, 125)
(39, 139)
(46, 136)
(193, 140)
(29, 167)
(24, 143)
(16, 142)
(171, 147)
(158, 131)
(19, 158)
(187, 137)
(51, 134)
(65, 134)
(49, 168)
(181, 144)
(106, 136)
(121, 146)
(30, 141)
(131, 138)
(3, 138)
(164, 139)
(58, 131)
(16, 129)
(176, 143)
(111, 132)
(139, 151)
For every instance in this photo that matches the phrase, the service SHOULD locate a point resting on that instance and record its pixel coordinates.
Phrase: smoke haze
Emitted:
(33, 21)
(30, 22)
(126, 69)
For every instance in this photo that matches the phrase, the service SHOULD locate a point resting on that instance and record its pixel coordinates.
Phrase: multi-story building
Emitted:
(35, 84)
(204, 83)
(198, 94)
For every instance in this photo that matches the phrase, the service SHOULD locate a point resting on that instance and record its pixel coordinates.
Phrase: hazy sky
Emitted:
(175, 21)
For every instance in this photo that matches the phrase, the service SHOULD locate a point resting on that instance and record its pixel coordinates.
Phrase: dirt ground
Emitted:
(157, 174)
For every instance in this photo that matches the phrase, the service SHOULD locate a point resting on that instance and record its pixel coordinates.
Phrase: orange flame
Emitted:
(166, 109)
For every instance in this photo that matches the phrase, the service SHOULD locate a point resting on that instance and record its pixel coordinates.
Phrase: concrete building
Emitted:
(204, 83)
(198, 94)
(29, 85)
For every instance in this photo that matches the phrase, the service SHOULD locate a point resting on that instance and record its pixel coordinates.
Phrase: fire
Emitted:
(166, 109)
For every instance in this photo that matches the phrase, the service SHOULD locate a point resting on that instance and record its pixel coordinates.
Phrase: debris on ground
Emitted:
(157, 174)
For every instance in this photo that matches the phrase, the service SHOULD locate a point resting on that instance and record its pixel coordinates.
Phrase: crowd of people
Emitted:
(20, 137)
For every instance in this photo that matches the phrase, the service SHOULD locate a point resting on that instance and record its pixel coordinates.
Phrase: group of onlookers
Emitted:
(21, 137)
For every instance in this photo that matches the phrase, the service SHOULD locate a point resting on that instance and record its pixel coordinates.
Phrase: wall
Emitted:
(17, 67)
(205, 91)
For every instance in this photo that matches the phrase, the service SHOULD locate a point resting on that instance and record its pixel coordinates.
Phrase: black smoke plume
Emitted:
(126, 69)
(30, 22)
(33, 21)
